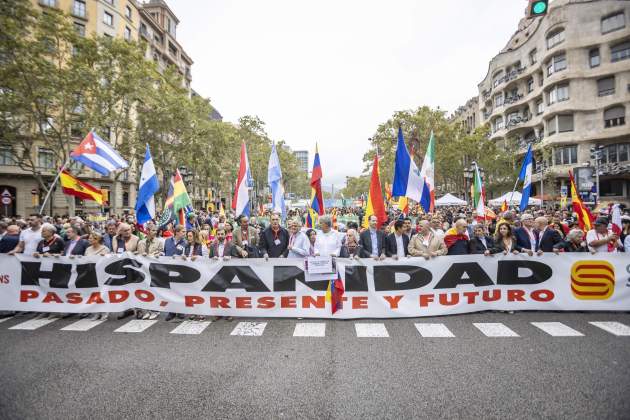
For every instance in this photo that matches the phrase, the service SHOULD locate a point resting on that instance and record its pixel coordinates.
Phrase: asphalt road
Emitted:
(47, 373)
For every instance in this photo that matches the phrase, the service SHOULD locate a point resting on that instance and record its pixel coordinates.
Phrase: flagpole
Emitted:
(512, 195)
(52, 186)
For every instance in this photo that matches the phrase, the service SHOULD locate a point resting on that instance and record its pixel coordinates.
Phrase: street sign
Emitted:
(34, 191)
(6, 200)
(6, 193)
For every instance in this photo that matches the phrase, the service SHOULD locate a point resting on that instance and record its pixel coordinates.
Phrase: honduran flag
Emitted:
(97, 154)
(240, 201)
(408, 181)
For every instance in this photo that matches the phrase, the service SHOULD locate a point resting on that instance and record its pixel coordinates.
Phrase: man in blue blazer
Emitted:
(526, 235)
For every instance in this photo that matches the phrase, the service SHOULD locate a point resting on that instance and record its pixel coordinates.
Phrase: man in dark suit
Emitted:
(526, 236)
(221, 248)
(75, 245)
(548, 237)
(397, 243)
(481, 243)
(274, 241)
(372, 241)
(10, 239)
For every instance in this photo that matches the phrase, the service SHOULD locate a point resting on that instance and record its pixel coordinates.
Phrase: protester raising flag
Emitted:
(72, 186)
(375, 205)
(407, 179)
(427, 174)
(240, 201)
(526, 176)
(274, 179)
(97, 154)
(334, 293)
(317, 197)
(149, 186)
(585, 218)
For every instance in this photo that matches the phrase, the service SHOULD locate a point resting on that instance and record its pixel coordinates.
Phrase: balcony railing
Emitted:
(517, 120)
(512, 99)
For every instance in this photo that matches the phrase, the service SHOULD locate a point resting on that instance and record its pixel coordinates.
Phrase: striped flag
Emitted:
(375, 205)
(334, 293)
(72, 186)
(585, 218)
(97, 154)
(149, 186)
(526, 176)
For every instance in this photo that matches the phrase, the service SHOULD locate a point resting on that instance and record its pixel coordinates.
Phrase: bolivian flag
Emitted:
(83, 190)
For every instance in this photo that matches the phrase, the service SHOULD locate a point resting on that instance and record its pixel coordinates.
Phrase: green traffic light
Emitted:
(539, 7)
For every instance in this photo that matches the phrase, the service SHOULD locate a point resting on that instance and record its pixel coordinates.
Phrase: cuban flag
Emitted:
(149, 185)
(97, 154)
(526, 177)
(408, 181)
(240, 202)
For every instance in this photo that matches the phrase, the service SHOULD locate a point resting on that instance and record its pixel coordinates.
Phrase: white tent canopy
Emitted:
(516, 200)
(450, 200)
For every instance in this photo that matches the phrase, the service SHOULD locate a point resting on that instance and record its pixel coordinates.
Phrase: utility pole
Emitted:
(596, 155)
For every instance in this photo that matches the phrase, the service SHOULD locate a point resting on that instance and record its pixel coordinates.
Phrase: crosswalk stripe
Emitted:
(83, 325)
(616, 328)
(370, 330)
(557, 329)
(434, 330)
(33, 324)
(5, 319)
(250, 329)
(136, 326)
(310, 329)
(191, 327)
(494, 329)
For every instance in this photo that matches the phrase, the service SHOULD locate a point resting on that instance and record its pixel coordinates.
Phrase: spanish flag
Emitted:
(585, 218)
(375, 205)
(504, 206)
(83, 190)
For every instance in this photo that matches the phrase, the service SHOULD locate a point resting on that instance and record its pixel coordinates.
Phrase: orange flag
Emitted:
(585, 218)
(375, 205)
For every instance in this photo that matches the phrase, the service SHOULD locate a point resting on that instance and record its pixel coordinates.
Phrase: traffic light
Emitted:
(538, 7)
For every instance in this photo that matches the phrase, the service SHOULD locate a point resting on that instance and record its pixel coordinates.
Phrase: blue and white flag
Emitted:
(407, 179)
(97, 154)
(149, 185)
(526, 177)
(274, 179)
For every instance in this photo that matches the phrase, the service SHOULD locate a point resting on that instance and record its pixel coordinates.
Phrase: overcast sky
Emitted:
(332, 70)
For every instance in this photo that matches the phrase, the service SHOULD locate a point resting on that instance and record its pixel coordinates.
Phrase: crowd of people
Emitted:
(448, 231)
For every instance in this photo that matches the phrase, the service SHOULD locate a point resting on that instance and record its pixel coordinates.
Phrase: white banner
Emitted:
(411, 287)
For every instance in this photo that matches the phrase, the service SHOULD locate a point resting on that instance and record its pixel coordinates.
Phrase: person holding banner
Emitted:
(151, 246)
(600, 239)
(397, 243)
(97, 247)
(506, 242)
(426, 243)
(298, 241)
(574, 242)
(221, 248)
(372, 241)
(125, 241)
(274, 240)
(51, 243)
(328, 240)
(246, 239)
(481, 243)
(29, 238)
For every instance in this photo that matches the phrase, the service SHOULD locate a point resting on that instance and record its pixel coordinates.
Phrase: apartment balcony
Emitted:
(513, 99)
(517, 120)
(144, 34)
(523, 143)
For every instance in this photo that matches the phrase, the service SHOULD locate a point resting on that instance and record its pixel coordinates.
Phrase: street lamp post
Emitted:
(541, 168)
(597, 154)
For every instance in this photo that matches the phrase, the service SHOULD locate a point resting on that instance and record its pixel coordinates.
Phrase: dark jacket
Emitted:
(268, 246)
(8, 243)
(568, 246)
(391, 247)
(549, 240)
(522, 238)
(475, 246)
(197, 250)
(228, 250)
(460, 247)
(174, 248)
(365, 243)
(55, 247)
(79, 248)
(499, 247)
(107, 241)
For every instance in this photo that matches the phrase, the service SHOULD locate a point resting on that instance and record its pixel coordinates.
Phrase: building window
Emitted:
(49, 3)
(108, 19)
(498, 100)
(530, 85)
(565, 155)
(110, 2)
(498, 124)
(127, 33)
(532, 57)
(79, 28)
(497, 79)
(555, 38)
(551, 126)
(613, 22)
(606, 86)
(46, 159)
(78, 8)
(557, 63)
(539, 107)
(6, 156)
(565, 123)
(623, 152)
(611, 187)
(125, 199)
(558, 93)
(620, 52)
(172, 50)
(128, 12)
(594, 58)
(170, 26)
(615, 116)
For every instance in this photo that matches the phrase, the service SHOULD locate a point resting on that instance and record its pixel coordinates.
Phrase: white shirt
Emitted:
(400, 246)
(592, 235)
(328, 243)
(31, 239)
(626, 244)
(532, 238)
(300, 246)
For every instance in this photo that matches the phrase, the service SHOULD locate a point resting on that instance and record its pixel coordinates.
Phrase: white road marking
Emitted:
(250, 329)
(191, 327)
(310, 329)
(5, 319)
(434, 330)
(616, 328)
(557, 329)
(33, 324)
(136, 326)
(371, 330)
(83, 325)
(494, 329)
